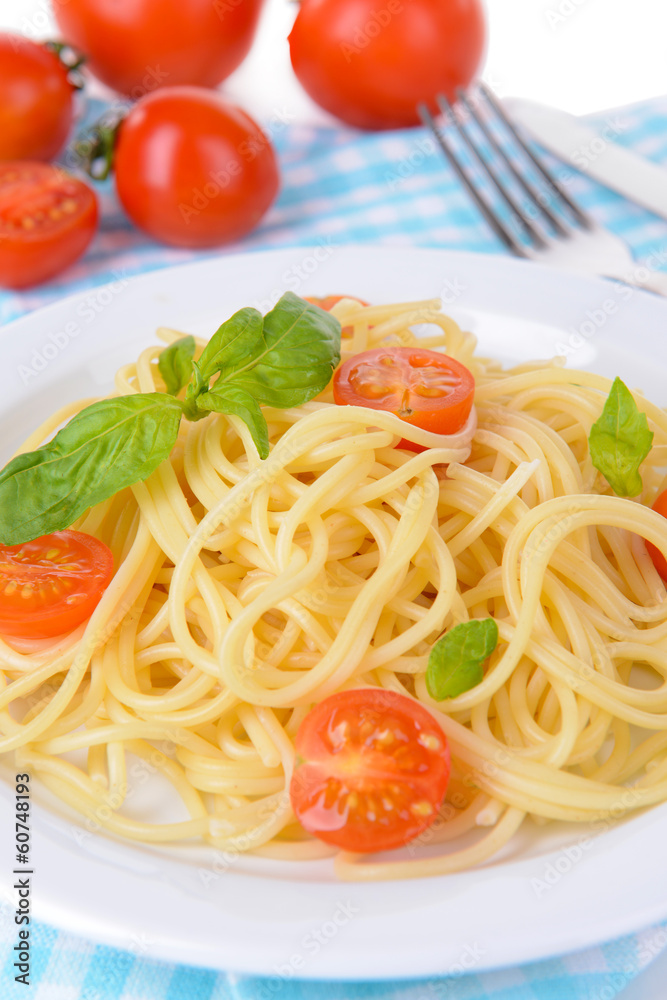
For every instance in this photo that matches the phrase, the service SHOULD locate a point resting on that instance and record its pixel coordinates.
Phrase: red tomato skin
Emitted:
(59, 617)
(193, 170)
(31, 257)
(371, 64)
(136, 46)
(656, 555)
(35, 100)
(324, 778)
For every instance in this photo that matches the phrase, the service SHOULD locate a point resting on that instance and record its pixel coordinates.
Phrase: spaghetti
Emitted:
(248, 590)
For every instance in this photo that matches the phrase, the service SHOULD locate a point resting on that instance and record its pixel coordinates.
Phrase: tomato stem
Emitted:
(97, 145)
(71, 59)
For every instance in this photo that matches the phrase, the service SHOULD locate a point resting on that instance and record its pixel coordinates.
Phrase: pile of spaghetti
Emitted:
(247, 591)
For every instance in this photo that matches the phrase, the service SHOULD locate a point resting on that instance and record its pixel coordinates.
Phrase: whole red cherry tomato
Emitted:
(136, 46)
(35, 100)
(193, 170)
(370, 63)
(47, 219)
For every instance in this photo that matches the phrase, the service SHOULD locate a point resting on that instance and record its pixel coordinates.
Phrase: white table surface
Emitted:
(580, 55)
(566, 54)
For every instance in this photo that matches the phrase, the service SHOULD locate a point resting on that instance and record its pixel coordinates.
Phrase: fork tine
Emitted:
(450, 114)
(533, 194)
(496, 224)
(555, 186)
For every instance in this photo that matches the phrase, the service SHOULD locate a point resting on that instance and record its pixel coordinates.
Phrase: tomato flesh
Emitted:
(656, 555)
(372, 770)
(51, 585)
(35, 100)
(424, 388)
(47, 219)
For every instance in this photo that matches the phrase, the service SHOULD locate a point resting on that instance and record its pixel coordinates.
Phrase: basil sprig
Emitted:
(282, 360)
(455, 663)
(620, 441)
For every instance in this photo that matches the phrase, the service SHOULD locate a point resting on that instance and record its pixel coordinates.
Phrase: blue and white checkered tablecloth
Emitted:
(340, 186)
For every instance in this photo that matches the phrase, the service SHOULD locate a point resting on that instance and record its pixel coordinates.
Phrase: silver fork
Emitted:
(540, 220)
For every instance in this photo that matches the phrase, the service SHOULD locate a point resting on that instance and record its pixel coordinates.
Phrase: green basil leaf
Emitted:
(455, 662)
(232, 400)
(104, 448)
(620, 441)
(175, 364)
(301, 351)
(234, 345)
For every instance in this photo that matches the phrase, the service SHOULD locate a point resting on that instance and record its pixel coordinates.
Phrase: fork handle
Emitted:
(655, 281)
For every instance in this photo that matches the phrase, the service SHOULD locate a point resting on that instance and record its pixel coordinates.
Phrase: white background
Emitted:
(580, 55)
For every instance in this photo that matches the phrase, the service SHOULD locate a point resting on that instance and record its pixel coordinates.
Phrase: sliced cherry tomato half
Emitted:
(53, 584)
(371, 772)
(656, 555)
(425, 388)
(47, 219)
(327, 302)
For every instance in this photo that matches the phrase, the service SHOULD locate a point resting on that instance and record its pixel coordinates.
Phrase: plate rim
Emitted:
(232, 957)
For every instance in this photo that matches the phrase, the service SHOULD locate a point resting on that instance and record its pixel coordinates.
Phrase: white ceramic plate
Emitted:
(553, 890)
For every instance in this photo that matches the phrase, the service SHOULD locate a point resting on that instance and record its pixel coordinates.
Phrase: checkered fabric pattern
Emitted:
(340, 186)
(64, 967)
